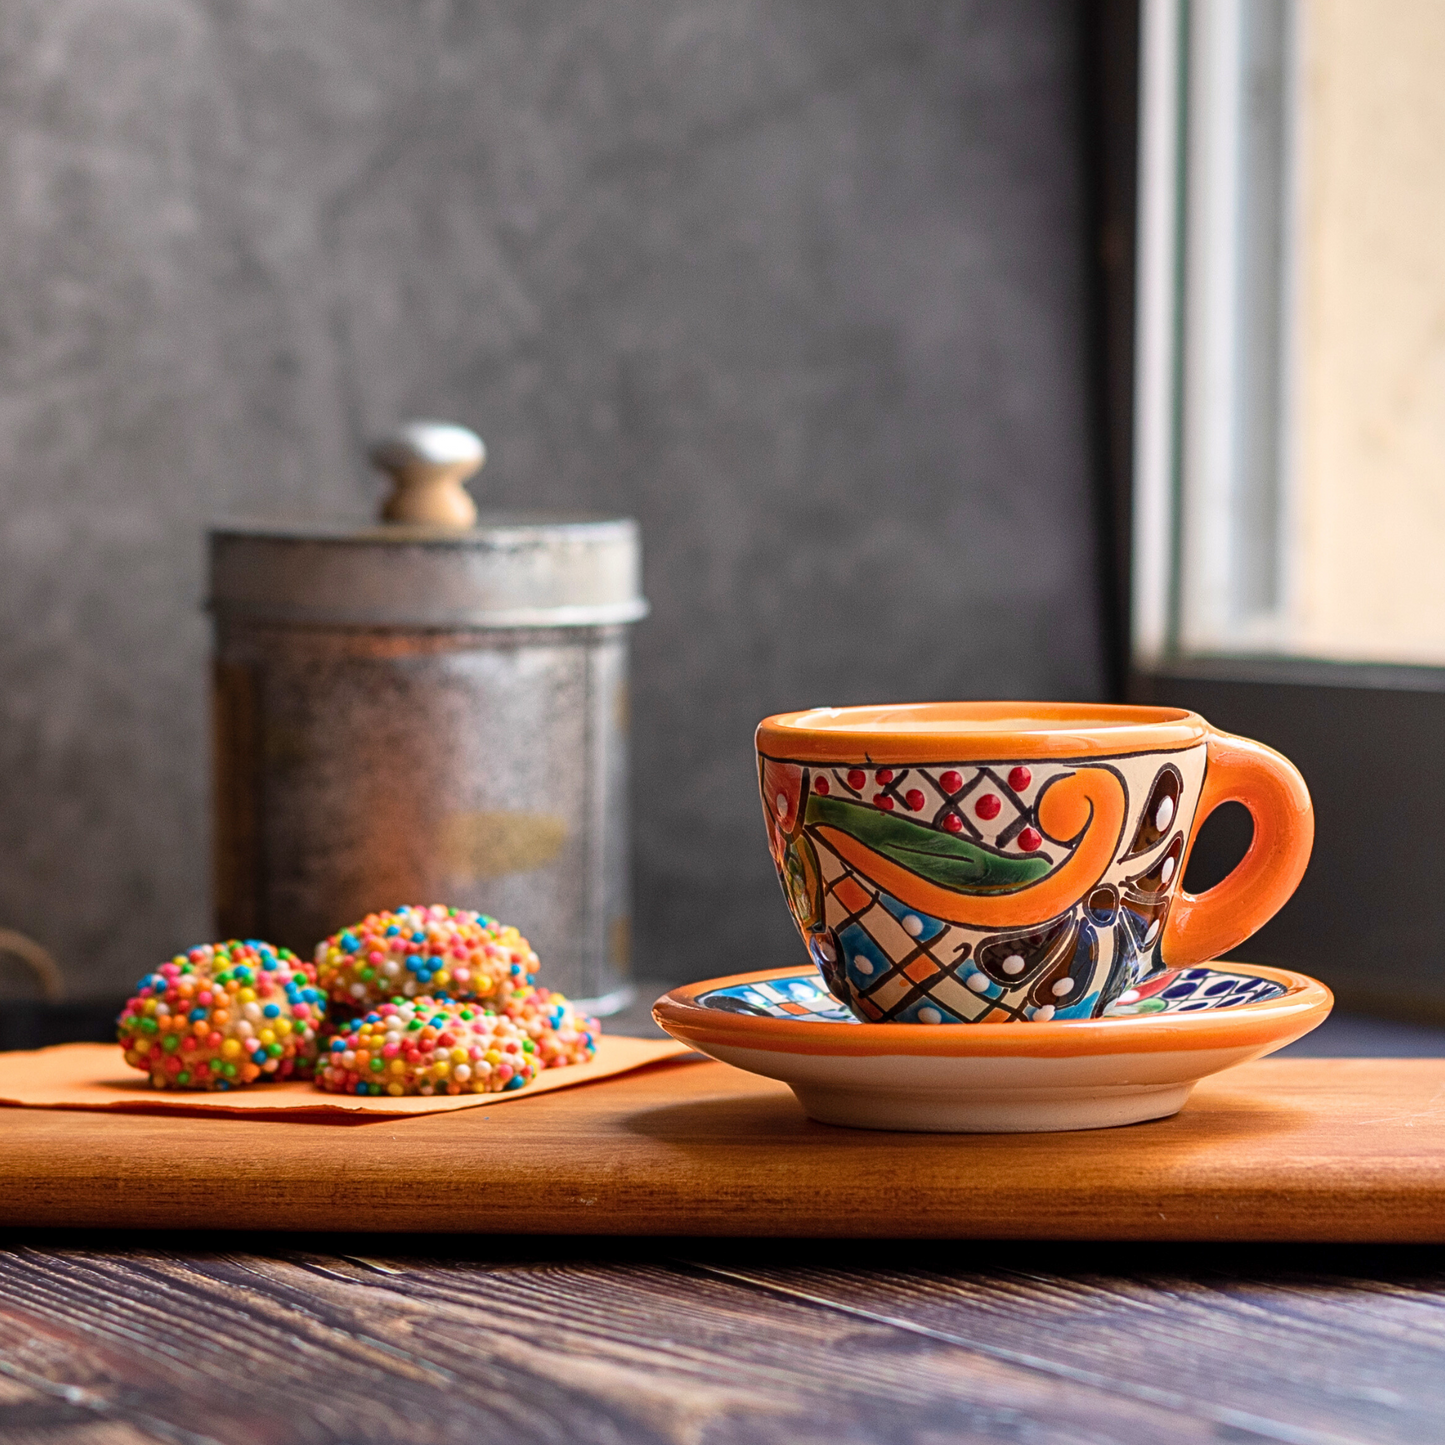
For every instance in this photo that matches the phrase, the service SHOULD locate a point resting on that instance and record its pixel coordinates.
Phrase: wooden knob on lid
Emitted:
(428, 461)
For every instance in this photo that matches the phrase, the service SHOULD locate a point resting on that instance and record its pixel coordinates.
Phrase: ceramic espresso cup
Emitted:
(996, 862)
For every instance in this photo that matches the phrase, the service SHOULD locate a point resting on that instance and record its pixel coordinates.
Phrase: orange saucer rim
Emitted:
(1305, 1003)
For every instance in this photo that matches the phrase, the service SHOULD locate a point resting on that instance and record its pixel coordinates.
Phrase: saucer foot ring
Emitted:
(1021, 1111)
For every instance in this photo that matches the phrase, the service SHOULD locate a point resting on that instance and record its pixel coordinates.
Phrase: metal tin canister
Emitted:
(409, 715)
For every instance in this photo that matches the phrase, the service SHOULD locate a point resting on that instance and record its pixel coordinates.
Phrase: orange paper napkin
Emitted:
(94, 1076)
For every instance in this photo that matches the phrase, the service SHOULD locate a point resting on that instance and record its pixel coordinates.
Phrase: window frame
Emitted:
(1365, 735)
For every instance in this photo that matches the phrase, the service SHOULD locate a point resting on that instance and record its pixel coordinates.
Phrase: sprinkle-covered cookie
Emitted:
(432, 1046)
(421, 952)
(222, 1015)
(429, 1046)
(547, 1018)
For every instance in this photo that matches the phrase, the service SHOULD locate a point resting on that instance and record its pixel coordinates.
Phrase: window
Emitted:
(1290, 378)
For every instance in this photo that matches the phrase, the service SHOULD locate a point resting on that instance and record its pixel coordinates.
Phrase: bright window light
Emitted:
(1290, 386)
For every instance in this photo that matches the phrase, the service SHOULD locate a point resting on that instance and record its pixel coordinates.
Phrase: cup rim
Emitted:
(929, 732)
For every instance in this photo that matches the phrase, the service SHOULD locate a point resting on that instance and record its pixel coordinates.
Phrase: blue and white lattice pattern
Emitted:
(1192, 990)
(802, 997)
(1186, 990)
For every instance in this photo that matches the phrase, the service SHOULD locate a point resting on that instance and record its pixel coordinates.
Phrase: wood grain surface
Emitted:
(708, 1343)
(1303, 1149)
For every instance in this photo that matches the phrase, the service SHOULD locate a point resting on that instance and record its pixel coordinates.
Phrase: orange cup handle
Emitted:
(1240, 771)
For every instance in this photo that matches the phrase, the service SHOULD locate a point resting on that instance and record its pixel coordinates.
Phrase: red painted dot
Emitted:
(953, 823)
(951, 782)
(883, 801)
(988, 806)
(1019, 779)
(1030, 839)
(856, 778)
(883, 775)
(820, 787)
(915, 799)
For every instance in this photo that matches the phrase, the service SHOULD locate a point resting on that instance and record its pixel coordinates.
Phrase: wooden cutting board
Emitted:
(1289, 1149)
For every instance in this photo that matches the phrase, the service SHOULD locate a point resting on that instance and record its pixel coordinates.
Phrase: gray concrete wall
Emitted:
(799, 283)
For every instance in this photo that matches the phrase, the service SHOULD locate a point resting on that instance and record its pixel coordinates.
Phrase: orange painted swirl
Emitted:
(1088, 805)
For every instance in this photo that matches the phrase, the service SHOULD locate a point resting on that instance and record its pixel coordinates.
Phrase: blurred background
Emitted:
(1044, 349)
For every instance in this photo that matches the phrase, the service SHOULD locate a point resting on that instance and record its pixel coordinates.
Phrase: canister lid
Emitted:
(434, 561)
(511, 569)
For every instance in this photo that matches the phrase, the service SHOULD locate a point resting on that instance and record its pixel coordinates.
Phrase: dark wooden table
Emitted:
(185, 1340)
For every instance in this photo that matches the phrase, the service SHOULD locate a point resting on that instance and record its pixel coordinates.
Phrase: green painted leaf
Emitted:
(942, 858)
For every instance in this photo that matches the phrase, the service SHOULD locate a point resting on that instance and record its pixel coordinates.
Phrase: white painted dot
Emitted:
(1130, 995)
(1153, 933)
(913, 925)
(782, 804)
(977, 982)
(1063, 986)
(929, 1016)
(1014, 964)
(863, 965)
(1164, 814)
(1167, 871)
(1044, 1014)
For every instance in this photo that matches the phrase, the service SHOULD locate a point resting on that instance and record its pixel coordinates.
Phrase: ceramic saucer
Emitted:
(1137, 1062)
